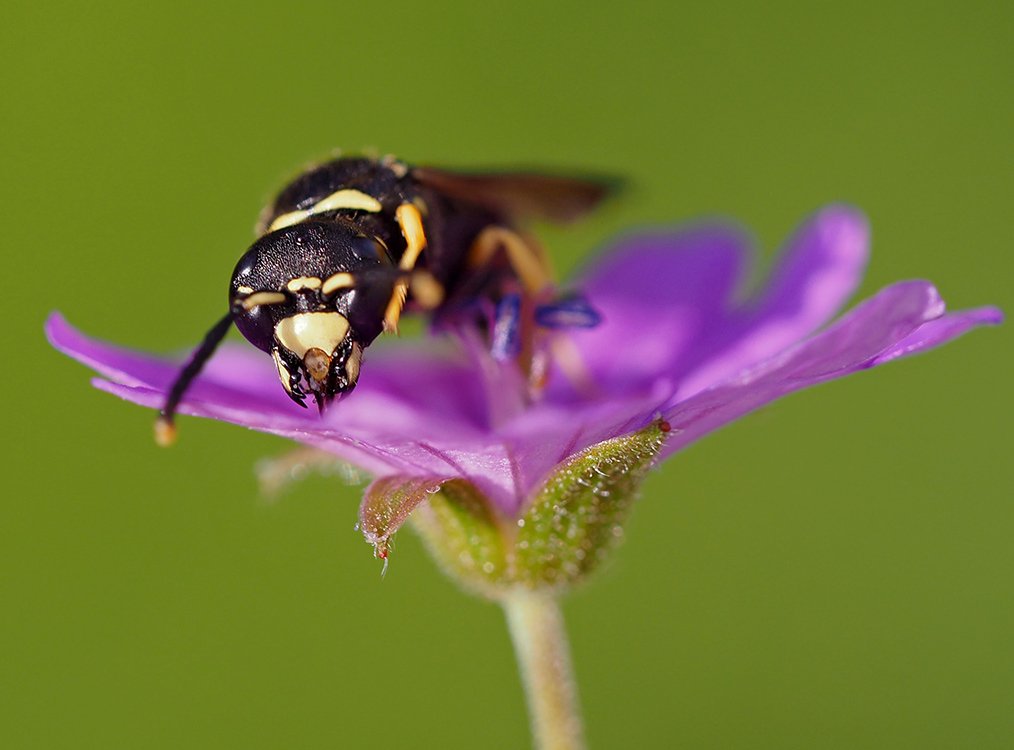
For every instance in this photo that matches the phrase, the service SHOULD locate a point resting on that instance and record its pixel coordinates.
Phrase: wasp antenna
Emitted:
(165, 429)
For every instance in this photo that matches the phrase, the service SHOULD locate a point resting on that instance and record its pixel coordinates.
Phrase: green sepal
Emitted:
(466, 536)
(387, 503)
(577, 515)
(568, 528)
(279, 473)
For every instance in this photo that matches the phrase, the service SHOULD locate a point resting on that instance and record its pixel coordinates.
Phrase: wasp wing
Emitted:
(522, 196)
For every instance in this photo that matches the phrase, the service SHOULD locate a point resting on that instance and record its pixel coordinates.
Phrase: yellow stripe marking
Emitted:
(263, 298)
(346, 199)
(352, 366)
(411, 223)
(303, 282)
(283, 374)
(338, 281)
(287, 220)
(355, 200)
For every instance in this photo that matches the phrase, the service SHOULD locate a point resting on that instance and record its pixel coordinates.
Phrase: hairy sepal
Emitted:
(467, 537)
(577, 516)
(387, 503)
(564, 533)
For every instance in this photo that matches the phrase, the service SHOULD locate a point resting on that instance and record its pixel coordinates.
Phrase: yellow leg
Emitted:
(410, 221)
(532, 268)
(427, 292)
(524, 258)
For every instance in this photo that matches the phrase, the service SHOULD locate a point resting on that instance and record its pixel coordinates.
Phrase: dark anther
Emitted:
(506, 343)
(567, 312)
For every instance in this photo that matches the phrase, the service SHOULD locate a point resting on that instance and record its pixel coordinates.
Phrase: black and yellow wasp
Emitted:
(350, 244)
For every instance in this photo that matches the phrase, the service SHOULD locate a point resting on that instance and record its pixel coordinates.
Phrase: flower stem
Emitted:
(540, 642)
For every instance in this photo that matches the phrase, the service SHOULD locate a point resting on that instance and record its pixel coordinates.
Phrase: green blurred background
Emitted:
(833, 572)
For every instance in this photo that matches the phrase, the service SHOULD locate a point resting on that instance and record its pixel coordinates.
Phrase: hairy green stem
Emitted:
(540, 642)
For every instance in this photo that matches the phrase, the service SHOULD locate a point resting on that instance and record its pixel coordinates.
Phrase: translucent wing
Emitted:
(522, 196)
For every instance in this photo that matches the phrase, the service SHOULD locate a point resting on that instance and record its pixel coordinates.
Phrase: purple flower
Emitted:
(677, 342)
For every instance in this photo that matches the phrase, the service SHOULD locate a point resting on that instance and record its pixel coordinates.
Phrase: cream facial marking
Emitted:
(244, 289)
(355, 360)
(347, 199)
(314, 330)
(263, 298)
(338, 281)
(303, 282)
(283, 374)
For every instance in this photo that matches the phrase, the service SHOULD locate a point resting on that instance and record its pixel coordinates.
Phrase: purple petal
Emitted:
(899, 320)
(413, 386)
(941, 330)
(821, 267)
(656, 295)
(548, 434)
(113, 362)
(378, 440)
(672, 341)
(419, 410)
(668, 311)
(217, 384)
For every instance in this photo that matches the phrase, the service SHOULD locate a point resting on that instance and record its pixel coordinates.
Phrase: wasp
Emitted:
(349, 245)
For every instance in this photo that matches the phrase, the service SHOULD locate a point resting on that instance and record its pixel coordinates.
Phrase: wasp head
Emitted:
(313, 296)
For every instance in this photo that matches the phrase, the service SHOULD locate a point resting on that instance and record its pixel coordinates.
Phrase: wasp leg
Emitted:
(426, 290)
(540, 346)
(165, 430)
(410, 221)
(524, 256)
(514, 334)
